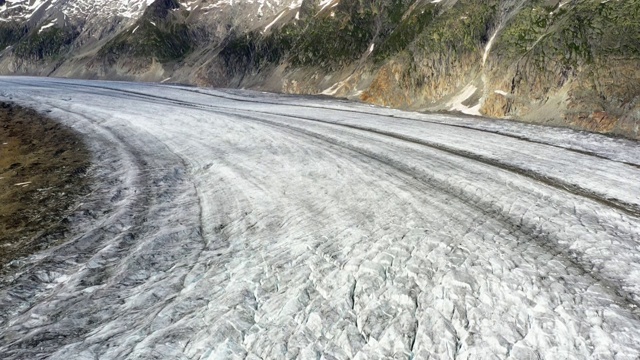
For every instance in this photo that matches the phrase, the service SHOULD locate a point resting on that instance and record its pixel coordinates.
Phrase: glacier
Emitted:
(238, 224)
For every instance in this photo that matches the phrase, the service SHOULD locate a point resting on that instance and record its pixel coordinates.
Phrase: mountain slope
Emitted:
(567, 63)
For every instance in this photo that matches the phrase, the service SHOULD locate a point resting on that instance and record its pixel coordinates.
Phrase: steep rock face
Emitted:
(567, 63)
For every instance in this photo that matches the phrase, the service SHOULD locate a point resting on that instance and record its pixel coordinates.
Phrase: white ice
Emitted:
(236, 224)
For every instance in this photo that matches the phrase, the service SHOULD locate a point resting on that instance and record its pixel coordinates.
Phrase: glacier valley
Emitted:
(230, 224)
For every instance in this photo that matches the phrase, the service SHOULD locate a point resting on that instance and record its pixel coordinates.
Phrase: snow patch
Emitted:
(51, 24)
(22, 10)
(488, 46)
(456, 103)
(331, 91)
(371, 48)
(273, 22)
(325, 3)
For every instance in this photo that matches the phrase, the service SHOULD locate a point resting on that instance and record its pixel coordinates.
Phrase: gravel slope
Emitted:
(233, 224)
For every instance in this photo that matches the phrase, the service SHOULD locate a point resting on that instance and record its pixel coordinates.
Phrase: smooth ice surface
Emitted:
(237, 224)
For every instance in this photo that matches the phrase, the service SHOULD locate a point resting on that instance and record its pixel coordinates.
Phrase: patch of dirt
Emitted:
(43, 169)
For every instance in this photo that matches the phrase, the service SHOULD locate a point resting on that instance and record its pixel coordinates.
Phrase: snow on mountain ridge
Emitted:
(25, 10)
(36, 11)
(274, 6)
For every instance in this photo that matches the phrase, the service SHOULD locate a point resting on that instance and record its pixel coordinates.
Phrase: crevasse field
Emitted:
(236, 224)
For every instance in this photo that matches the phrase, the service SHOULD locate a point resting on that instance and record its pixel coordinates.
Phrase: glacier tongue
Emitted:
(236, 224)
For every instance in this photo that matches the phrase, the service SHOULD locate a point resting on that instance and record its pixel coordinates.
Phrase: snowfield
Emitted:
(236, 224)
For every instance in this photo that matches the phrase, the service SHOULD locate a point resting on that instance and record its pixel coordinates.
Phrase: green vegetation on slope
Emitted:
(404, 32)
(159, 34)
(165, 42)
(463, 28)
(590, 48)
(49, 42)
(573, 35)
(328, 42)
(330, 39)
(447, 50)
(10, 33)
(332, 42)
(251, 51)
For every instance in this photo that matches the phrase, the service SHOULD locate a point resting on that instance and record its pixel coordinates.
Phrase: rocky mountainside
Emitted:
(569, 63)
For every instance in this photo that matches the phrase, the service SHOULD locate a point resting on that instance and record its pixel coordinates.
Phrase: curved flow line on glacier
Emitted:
(633, 304)
(359, 111)
(629, 208)
(106, 237)
(439, 235)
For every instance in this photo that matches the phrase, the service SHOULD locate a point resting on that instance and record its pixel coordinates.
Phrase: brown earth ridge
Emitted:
(43, 168)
